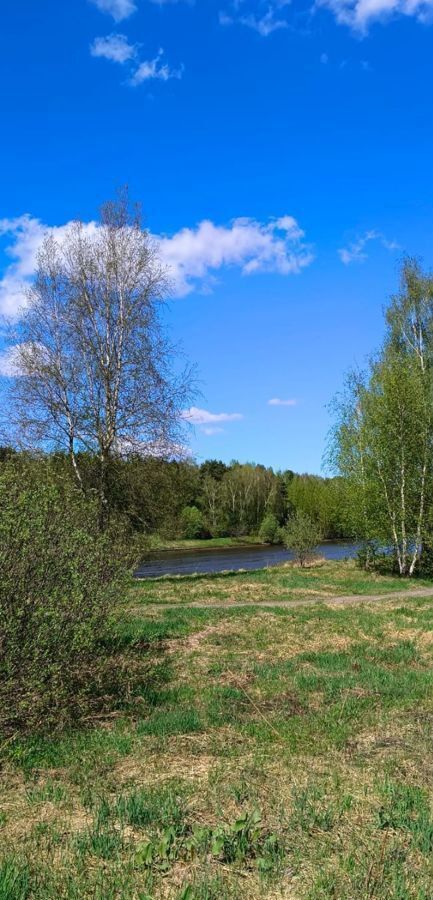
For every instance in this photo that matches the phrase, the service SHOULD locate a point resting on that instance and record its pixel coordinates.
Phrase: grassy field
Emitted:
(275, 584)
(274, 752)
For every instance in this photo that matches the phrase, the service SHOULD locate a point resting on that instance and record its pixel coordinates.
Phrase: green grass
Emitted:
(275, 752)
(283, 583)
(158, 543)
(154, 808)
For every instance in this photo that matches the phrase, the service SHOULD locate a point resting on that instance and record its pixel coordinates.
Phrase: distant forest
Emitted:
(182, 499)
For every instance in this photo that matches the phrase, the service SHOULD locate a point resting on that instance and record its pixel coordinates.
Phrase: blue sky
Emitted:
(283, 156)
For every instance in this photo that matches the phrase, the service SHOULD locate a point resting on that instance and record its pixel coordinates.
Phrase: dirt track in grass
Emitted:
(348, 600)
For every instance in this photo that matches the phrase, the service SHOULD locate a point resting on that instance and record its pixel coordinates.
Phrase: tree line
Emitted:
(173, 499)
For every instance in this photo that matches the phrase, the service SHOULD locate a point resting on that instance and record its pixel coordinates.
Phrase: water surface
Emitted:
(207, 560)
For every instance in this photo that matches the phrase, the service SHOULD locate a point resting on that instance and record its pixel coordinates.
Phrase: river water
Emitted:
(189, 562)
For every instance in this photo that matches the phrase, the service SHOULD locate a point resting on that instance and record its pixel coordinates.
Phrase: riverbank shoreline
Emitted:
(208, 544)
(226, 543)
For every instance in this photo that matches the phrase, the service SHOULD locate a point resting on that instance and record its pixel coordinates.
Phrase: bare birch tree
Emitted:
(95, 369)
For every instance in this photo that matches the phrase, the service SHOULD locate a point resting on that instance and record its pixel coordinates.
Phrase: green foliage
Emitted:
(213, 468)
(367, 555)
(269, 530)
(60, 578)
(152, 494)
(192, 524)
(319, 498)
(383, 439)
(245, 839)
(302, 535)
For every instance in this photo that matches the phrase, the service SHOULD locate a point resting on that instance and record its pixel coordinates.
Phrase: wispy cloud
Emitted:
(276, 401)
(360, 14)
(118, 9)
(197, 416)
(212, 430)
(114, 47)
(355, 251)
(265, 23)
(154, 69)
(192, 255)
(209, 423)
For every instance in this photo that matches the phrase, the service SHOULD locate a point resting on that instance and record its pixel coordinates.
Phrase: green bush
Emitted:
(302, 535)
(192, 523)
(59, 580)
(269, 530)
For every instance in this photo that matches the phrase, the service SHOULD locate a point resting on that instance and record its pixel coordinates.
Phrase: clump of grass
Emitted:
(405, 807)
(101, 841)
(155, 808)
(208, 888)
(15, 882)
(163, 723)
(48, 792)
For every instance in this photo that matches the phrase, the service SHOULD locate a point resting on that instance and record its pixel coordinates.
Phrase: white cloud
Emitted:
(359, 14)
(26, 234)
(154, 69)
(290, 226)
(115, 47)
(275, 401)
(324, 59)
(192, 255)
(355, 252)
(264, 22)
(118, 9)
(211, 430)
(197, 416)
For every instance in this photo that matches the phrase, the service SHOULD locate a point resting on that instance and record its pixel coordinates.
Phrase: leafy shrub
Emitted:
(269, 530)
(302, 535)
(60, 578)
(425, 566)
(367, 555)
(192, 523)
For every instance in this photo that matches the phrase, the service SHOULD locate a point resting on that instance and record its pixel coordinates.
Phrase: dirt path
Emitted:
(348, 600)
